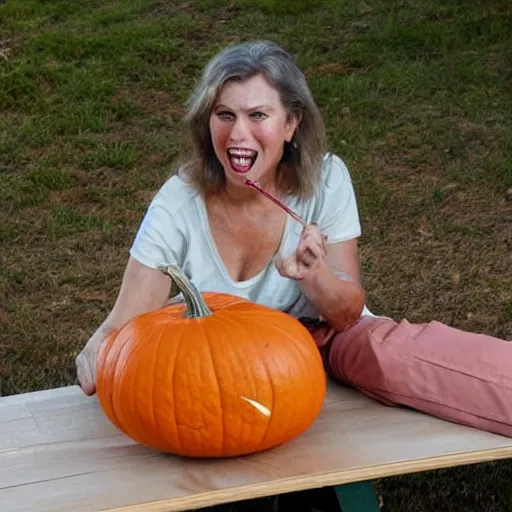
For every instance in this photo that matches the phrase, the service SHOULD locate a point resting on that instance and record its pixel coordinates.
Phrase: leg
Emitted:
(455, 375)
(357, 497)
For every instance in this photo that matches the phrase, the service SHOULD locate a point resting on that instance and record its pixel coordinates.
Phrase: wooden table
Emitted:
(58, 452)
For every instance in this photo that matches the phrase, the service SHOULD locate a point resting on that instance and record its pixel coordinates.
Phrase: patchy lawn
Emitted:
(417, 99)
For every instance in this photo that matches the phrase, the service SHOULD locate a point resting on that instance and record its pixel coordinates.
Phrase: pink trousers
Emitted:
(455, 375)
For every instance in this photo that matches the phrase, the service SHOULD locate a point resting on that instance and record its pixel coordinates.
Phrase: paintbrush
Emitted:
(290, 212)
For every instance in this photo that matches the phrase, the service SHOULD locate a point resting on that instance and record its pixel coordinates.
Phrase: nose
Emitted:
(239, 130)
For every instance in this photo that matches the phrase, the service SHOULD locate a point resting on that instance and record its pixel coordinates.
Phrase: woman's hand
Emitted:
(308, 256)
(316, 265)
(143, 289)
(86, 368)
(86, 360)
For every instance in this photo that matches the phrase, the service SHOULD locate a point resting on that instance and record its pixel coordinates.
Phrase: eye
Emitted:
(258, 116)
(225, 115)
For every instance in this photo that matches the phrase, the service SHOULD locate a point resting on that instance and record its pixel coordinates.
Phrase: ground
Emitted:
(417, 101)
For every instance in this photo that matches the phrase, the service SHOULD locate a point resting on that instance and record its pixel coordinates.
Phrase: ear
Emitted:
(291, 125)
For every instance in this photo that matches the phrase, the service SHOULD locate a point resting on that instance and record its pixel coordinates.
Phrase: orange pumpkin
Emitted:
(218, 376)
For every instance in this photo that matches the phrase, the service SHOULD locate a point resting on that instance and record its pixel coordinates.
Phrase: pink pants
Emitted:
(455, 375)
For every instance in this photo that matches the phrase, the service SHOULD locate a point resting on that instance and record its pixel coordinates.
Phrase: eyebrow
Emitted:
(257, 107)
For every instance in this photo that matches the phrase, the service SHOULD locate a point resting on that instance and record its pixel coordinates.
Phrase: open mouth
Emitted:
(241, 160)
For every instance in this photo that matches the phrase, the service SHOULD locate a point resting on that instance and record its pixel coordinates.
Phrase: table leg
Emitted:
(357, 497)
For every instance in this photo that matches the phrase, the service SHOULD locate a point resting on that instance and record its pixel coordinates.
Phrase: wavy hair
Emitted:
(299, 170)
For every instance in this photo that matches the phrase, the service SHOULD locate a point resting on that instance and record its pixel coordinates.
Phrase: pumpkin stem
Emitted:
(196, 306)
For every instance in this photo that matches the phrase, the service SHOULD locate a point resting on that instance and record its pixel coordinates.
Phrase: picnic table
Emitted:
(59, 453)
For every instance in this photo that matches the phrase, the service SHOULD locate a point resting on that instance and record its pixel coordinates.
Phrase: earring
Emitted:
(293, 142)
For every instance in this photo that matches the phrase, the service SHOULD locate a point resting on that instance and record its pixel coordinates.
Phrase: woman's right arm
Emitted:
(143, 289)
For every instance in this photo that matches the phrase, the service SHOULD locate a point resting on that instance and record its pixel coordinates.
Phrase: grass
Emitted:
(417, 100)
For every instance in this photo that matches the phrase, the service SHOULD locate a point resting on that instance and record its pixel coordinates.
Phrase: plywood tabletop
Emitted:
(59, 453)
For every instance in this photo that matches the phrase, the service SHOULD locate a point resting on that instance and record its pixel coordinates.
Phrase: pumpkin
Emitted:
(217, 376)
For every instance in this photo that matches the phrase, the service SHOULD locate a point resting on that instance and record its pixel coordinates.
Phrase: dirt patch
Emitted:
(333, 69)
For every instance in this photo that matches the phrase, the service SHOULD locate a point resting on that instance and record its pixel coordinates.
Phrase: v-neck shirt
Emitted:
(175, 231)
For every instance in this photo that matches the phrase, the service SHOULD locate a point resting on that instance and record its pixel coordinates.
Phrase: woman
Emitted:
(252, 116)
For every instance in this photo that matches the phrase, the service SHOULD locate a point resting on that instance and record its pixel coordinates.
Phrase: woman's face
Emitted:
(249, 126)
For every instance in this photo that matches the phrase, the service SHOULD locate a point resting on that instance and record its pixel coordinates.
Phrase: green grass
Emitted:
(417, 100)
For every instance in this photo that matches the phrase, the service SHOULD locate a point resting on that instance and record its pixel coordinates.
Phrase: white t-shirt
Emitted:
(175, 230)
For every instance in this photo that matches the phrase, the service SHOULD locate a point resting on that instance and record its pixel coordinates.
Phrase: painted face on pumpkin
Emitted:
(249, 127)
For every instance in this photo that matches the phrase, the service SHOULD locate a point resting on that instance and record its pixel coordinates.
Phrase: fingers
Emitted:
(311, 246)
(310, 250)
(289, 267)
(313, 237)
(308, 255)
(85, 372)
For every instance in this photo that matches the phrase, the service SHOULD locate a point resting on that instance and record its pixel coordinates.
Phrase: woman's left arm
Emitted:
(334, 287)
(329, 276)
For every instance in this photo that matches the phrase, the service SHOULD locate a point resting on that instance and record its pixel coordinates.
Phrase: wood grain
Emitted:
(58, 452)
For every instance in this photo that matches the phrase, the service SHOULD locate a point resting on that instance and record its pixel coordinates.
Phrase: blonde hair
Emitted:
(299, 169)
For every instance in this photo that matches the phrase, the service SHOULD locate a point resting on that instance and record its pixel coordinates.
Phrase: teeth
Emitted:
(242, 161)
(242, 153)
